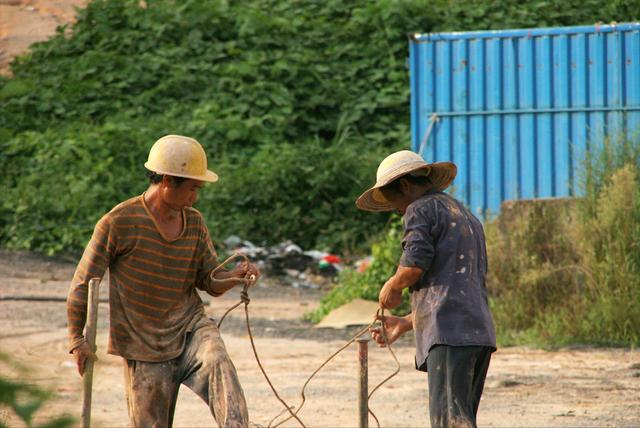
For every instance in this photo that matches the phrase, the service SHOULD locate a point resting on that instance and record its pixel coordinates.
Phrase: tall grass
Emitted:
(568, 271)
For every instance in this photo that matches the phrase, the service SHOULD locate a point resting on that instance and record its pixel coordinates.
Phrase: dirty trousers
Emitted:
(456, 378)
(204, 366)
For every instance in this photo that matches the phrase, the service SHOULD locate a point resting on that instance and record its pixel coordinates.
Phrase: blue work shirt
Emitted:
(449, 303)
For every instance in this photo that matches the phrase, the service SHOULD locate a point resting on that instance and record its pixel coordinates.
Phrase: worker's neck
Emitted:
(159, 207)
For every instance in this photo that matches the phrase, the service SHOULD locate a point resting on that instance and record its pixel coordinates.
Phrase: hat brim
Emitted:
(208, 176)
(441, 175)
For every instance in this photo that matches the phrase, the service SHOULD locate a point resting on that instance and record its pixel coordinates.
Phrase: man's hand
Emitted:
(389, 297)
(82, 353)
(391, 294)
(394, 327)
(248, 271)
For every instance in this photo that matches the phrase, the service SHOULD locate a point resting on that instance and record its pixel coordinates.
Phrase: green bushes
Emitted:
(56, 188)
(296, 102)
(303, 192)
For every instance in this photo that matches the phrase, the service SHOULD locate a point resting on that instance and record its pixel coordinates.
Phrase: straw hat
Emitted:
(397, 164)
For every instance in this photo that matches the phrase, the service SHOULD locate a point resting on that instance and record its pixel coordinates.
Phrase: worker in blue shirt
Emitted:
(444, 265)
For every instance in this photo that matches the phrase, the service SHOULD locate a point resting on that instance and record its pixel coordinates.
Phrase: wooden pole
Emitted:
(90, 336)
(363, 386)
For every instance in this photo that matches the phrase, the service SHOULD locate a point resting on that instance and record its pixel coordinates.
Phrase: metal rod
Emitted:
(594, 109)
(90, 337)
(363, 386)
(432, 120)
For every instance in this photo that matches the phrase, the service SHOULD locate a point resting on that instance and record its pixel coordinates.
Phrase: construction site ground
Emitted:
(574, 387)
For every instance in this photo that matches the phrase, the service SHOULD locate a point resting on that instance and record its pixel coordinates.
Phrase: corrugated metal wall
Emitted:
(517, 110)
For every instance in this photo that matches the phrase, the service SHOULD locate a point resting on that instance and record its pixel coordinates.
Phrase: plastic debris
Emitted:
(232, 242)
(300, 269)
(363, 264)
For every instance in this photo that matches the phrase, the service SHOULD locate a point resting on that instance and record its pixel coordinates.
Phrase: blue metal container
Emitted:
(517, 110)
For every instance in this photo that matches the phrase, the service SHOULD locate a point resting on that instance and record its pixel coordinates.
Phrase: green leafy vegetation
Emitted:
(296, 102)
(24, 400)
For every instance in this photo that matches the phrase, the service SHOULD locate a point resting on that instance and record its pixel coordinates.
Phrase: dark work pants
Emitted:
(456, 379)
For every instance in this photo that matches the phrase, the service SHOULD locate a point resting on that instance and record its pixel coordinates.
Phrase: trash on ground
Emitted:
(363, 264)
(300, 269)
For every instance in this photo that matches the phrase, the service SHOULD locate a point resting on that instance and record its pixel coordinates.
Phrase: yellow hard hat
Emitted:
(180, 157)
(397, 164)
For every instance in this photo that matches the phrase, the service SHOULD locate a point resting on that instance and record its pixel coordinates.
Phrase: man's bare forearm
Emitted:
(224, 281)
(408, 325)
(405, 277)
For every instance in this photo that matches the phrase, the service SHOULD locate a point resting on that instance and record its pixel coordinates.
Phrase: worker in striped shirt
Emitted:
(158, 251)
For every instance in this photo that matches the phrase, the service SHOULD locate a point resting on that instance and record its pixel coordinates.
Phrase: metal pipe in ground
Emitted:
(90, 337)
(363, 387)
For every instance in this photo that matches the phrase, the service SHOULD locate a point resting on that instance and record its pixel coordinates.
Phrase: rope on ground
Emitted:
(288, 409)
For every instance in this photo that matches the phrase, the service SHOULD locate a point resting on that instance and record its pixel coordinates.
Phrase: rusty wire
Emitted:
(294, 414)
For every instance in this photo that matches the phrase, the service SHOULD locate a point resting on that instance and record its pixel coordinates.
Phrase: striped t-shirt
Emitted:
(153, 300)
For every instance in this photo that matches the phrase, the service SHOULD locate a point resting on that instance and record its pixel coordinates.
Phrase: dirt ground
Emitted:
(23, 22)
(525, 387)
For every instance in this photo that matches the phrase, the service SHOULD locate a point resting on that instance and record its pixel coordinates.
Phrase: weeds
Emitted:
(568, 271)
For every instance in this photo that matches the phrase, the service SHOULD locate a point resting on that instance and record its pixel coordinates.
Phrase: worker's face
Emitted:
(182, 195)
(399, 200)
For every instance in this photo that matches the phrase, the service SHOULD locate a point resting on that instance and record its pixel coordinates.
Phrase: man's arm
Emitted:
(418, 251)
(394, 327)
(223, 280)
(391, 294)
(93, 264)
(211, 278)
